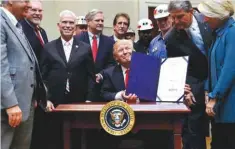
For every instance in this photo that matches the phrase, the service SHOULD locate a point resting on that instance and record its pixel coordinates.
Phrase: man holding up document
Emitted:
(116, 77)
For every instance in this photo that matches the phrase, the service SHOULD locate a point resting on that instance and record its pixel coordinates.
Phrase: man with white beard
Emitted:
(37, 37)
(31, 26)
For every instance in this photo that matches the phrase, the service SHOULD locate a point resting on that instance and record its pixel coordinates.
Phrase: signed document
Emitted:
(172, 79)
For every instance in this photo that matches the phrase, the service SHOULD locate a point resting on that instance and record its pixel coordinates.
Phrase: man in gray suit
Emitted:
(20, 78)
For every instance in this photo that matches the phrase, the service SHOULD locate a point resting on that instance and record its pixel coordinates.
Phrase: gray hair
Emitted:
(90, 16)
(4, 2)
(67, 12)
(180, 5)
(35, 1)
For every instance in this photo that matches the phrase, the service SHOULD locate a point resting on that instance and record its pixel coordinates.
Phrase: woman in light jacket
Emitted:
(221, 78)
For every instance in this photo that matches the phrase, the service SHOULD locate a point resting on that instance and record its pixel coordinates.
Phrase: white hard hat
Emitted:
(145, 24)
(130, 31)
(161, 11)
(81, 20)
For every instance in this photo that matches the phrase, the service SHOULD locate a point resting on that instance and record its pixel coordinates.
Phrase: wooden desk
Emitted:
(161, 116)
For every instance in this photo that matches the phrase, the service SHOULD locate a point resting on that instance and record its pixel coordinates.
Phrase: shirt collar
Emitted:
(91, 35)
(159, 37)
(12, 18)
(115, 38)
(70, 41)
(227, 24)
(123, 69)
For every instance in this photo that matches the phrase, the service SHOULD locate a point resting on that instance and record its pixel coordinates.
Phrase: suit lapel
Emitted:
(203, 29)
(44, 36)
(100, 48)
(74, 49)
(60, 50)
(183, 36)
(118, 79)
(86, 38)
(17, 34)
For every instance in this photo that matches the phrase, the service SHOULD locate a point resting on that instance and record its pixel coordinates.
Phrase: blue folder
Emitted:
(143, 76)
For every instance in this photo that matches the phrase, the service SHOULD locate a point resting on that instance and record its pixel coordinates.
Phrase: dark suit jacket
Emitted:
(112, 37)
(178, 43)
(79, 70)
(104, 57)
(113, 82)
(29, 31)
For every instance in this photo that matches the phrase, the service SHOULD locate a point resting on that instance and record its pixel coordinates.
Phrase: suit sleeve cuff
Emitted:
(212, 96)
(100, 75)
(118, 96)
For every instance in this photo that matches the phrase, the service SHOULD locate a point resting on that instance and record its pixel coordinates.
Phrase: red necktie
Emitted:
(94, 47)
(39, 36)
(127, 77)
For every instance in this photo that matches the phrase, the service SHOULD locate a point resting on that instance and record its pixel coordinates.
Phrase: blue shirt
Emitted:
(157, 47)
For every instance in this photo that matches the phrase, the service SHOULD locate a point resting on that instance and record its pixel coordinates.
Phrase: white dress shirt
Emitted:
(195, 34)
(115, 38)
(67, 45)
(91, 39)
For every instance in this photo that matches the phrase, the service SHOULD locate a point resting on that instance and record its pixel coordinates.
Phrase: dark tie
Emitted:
(94, 47)
(39, 35)
(126, 77)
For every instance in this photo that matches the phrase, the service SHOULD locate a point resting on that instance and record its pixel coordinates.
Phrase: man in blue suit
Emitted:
(101, 45)
(21, 80)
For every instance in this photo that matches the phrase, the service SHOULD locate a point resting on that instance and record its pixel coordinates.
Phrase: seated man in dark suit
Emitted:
(116, 77)
(113, 88)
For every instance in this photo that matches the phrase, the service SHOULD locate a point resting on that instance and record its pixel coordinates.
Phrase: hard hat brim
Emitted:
(144, 29)
(81, 24)
(162, 15)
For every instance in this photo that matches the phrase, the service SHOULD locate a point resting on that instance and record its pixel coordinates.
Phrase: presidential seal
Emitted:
(117, 118)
